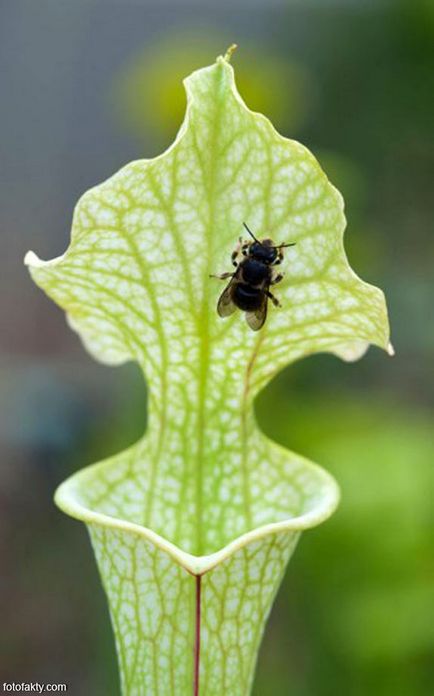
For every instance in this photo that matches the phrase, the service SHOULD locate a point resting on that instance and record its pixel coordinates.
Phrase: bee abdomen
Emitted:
(246, 297)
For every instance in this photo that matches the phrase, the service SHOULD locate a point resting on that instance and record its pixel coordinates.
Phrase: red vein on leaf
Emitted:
(197, 637)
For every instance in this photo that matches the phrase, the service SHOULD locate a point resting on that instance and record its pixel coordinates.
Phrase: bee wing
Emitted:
(256, 319)
(225, 305)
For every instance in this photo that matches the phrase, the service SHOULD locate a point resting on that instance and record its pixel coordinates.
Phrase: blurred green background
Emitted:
(87, 86)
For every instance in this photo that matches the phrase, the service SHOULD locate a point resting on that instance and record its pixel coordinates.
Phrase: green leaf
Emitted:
(204, 492)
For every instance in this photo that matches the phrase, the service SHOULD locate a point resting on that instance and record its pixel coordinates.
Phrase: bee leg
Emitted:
(221, 276)
(236, 251)
(274, 299)
(277, 279)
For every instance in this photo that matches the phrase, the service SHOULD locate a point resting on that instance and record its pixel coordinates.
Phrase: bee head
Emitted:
(264, 251)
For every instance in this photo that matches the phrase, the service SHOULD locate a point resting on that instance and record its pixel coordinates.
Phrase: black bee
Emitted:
(249, 287)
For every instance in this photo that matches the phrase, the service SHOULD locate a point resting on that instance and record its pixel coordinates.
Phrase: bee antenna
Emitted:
(286, 244)
(251, 233)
